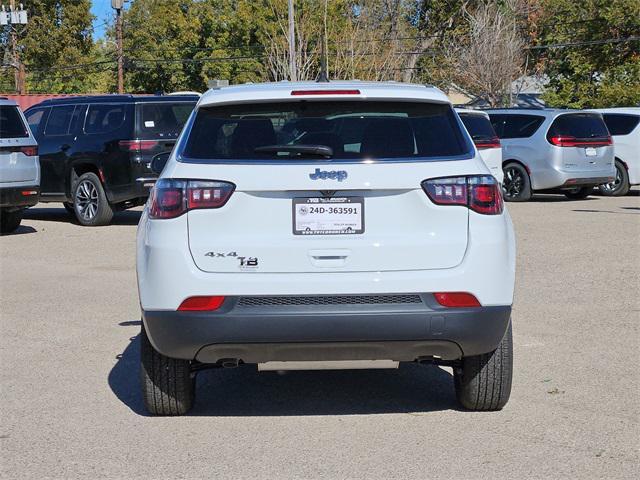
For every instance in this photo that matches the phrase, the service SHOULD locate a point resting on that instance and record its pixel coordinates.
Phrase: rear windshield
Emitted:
(162, 120)
(515, 125)
(478, 126)
(579, 125)
(351, 130)
(11, 124)
(620, 124)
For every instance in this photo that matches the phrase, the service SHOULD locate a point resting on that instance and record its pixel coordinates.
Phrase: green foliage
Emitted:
(176, 44)
(181, 44)
(596, 74)
(58, 34)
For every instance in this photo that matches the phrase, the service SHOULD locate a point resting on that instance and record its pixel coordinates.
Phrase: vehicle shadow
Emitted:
(126, 217)
(551, 197)
(583, 210)
(21, 230)
(244, 392)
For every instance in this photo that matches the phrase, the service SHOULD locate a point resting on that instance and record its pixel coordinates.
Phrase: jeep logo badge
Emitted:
(339, 175)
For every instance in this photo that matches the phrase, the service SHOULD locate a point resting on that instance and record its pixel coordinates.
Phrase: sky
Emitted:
(103, 11)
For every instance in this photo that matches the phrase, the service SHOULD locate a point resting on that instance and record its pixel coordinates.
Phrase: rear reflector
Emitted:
(201, 304)
(456, 299)
(325, 92)
(171, 198)
(28, 193)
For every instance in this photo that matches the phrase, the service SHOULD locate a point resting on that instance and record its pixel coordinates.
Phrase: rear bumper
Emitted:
(19, 197)
(587, 182)
(400, 332)
(550, 178)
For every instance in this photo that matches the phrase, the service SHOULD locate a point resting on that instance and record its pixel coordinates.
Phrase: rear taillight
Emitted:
(138, 145)
(489, 143)
(480, 193)
(569, 141)
(29, 151)
(201, 304)
(171, 198)
(456, 299)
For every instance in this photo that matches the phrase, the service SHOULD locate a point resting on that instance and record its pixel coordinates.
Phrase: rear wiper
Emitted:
(297, 150)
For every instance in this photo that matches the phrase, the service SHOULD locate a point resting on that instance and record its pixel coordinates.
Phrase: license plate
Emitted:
(328, 216)
(590, 151)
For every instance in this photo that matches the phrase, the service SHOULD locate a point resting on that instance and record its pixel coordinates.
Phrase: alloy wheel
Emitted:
(86, 200)
(615, 185)
(513, 182)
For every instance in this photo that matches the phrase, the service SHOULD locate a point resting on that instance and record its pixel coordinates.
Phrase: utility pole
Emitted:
(118, 5)
(293, 70)
(13, 17)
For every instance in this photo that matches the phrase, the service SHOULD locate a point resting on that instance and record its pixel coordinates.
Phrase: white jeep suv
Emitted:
(325, 225)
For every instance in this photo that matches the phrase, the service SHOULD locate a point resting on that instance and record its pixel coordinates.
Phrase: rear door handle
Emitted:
(65, 147)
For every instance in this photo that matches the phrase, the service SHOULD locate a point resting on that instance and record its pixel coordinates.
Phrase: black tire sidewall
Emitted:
(10, 221)
(483, 382)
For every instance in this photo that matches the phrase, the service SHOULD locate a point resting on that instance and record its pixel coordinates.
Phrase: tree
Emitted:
(57, 40)
(181, 44)
(588, 54)
(491, 56)
(435, 23)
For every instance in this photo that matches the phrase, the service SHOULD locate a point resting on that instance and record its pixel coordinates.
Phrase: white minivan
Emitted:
(19, 166)
(325, 225)
(624, 126)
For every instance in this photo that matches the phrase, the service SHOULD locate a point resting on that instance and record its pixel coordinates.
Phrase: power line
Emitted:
(634, 38)
(132, 61)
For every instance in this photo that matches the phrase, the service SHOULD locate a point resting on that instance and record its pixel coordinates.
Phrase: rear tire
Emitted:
(10, 221)
(90, 203)
(620, 186)
(483, 382)
(68, 206)
(168, 386)
(579, 193)
(516, 186)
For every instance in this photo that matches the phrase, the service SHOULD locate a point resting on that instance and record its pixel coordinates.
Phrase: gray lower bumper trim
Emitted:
(406, 351)
(395, 332)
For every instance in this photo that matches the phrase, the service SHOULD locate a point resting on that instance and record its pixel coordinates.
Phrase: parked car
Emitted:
(19, 166)
(96, 151)
(484, 136)
(553, 149)
(325, 225)
(623, 126)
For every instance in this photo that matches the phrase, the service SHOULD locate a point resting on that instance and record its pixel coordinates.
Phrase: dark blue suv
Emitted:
(96, 151)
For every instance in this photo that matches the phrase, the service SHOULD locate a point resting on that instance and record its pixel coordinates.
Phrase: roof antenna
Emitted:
(322, 76)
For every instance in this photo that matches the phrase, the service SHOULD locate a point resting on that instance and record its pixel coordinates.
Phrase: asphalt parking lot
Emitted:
(71, 407)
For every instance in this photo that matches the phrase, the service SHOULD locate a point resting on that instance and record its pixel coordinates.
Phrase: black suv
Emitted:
(96, 151)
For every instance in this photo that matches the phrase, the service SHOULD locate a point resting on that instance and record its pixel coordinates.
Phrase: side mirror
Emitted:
(159, 161)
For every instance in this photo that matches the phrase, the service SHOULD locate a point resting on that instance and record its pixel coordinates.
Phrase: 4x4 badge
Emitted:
(339, 175)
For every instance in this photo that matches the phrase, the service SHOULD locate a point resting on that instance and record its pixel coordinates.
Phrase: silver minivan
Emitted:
(19, 166)
(553, 149)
